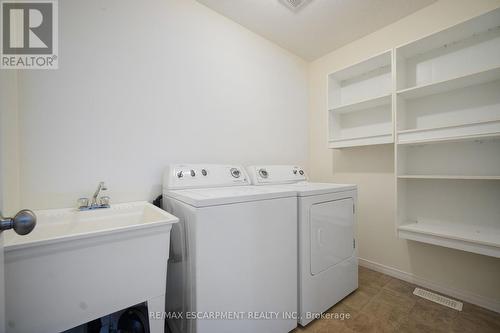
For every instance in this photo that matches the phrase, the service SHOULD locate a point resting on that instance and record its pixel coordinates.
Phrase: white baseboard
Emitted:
(488, 303)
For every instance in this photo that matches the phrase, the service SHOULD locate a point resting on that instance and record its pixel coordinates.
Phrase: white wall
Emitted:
(471, 276)
(145, 83)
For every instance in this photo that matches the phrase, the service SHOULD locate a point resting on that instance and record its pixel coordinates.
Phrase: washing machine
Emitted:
(233, 259)
(327, 261)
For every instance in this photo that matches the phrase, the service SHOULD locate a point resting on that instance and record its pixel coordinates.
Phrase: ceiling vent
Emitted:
(294, 5)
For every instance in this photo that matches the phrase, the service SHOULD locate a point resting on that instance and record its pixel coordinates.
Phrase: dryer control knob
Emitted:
(193, 173)
(301, 172)
(180, 174)
(203, 172)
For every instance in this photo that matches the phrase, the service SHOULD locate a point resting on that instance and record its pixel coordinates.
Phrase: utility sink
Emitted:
(76, 266)
(59, 225)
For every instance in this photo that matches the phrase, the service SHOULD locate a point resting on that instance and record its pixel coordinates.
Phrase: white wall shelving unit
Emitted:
(440, 96)
(360, 103)
(447, 124)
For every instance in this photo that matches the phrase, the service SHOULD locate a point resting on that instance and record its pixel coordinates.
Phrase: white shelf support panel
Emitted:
(447, 135)
(360, 103)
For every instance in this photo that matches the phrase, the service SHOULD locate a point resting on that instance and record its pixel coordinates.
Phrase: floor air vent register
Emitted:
(451, 303)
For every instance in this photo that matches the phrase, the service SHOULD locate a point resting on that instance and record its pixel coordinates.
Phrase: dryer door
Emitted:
(332, 233)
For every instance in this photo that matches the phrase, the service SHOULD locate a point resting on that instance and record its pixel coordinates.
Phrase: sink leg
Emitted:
(156, 311)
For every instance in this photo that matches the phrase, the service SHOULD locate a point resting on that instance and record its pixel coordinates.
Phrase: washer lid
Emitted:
(204, 197)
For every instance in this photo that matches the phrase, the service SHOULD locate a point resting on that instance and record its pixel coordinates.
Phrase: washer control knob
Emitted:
(301, 172)
(263, 173)
(193, 173)
(235, 173)
(180, 174)
(203, 172)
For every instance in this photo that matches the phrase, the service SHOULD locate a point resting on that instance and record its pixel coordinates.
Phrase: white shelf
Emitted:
(467, 237)
(467, 29)
(474, 159)
(468, 47)
(485, 76)
(363, 105)
(469, 131)
(457, 177)
(363, 67)
(460, 212)
(452, 139)
(361, 141)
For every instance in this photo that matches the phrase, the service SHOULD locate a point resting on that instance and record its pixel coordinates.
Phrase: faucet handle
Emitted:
(83, 202)
(104, 201)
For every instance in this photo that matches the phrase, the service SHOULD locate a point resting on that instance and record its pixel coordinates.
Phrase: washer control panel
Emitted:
(276, 174)
(181, 176)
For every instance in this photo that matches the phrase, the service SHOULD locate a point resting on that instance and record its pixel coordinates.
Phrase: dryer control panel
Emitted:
(276, 174)
(181, 176)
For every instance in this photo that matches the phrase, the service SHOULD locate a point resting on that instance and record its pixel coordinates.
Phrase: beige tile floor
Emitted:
(385, 304)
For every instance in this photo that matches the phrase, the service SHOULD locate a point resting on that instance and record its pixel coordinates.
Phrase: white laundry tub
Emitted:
(78, 266)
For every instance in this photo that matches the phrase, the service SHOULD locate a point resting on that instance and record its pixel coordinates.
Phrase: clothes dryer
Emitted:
(327, 260)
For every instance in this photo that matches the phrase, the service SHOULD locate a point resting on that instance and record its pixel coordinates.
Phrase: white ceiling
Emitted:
(320, 26)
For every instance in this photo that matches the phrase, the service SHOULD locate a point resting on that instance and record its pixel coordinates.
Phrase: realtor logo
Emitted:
(29, 35)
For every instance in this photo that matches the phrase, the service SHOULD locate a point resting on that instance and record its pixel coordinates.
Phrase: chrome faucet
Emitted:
(96, 202)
